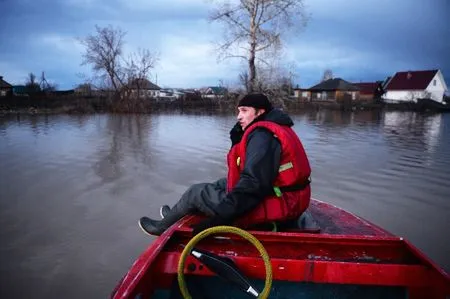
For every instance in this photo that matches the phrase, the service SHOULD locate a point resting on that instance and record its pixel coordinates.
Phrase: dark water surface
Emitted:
(73, 187)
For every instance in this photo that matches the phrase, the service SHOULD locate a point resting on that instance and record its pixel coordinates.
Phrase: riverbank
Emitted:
(71, 104)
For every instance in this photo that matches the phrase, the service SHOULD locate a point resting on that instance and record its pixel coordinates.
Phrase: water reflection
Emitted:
(341, 119)
(433, 123)
(122, 134)
(413, 136)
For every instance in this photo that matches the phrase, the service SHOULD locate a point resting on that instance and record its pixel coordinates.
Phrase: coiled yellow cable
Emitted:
(225, 229)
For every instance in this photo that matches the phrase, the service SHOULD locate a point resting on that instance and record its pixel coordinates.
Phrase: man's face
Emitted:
(247, 114)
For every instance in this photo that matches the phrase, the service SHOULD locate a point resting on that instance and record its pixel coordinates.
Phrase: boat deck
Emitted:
(335, 221)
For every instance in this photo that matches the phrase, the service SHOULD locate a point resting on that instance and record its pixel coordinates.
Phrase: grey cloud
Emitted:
(359, 40)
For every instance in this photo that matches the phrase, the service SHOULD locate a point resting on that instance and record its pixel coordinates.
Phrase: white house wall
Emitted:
(395, 96)
(437, 91)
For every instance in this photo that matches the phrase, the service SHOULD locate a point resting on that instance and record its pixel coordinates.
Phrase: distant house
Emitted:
(413, 85)
(368, 91)
(20, 90)
(143, 88)
(5, 88)
(85, 90)
(304, 95)
(166, 93)
(214, 92)
(334, 90)
(171, 93)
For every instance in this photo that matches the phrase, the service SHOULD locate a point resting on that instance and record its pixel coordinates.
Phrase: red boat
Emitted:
(327, 253)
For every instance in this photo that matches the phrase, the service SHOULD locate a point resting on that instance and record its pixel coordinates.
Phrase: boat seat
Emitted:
(303, 224)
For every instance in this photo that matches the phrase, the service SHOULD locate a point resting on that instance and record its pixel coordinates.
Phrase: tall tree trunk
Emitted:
(113, 81)
(252, 69)
(252, 54)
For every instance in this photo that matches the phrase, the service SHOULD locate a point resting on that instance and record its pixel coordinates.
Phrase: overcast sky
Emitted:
(360, 40)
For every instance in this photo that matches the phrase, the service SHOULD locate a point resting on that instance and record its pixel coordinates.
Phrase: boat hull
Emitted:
(348, 254)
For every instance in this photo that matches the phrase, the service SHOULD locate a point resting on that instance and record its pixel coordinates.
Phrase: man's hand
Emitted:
(236, 134)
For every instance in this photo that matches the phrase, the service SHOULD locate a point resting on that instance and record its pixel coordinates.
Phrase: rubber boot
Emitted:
(157, 227)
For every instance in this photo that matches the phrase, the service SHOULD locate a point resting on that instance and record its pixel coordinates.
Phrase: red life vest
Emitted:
(294, 170)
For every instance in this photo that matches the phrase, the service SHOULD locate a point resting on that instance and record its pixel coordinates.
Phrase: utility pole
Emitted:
(44, 84)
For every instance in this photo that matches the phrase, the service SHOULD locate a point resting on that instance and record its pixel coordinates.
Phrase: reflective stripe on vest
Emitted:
(286, 166)
(283, 167)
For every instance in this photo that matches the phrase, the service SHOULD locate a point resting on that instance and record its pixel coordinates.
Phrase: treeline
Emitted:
(57, 102)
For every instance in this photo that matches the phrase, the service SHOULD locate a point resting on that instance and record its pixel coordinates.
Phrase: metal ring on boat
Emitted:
(225, 229)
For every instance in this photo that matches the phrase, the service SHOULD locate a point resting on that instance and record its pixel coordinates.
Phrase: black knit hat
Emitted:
(257, 101)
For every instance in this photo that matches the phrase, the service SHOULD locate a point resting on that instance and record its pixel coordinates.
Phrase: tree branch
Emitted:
(227, 16)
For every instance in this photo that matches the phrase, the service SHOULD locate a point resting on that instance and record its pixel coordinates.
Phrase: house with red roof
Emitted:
(333, 90)
(368, 91)
(410, 86)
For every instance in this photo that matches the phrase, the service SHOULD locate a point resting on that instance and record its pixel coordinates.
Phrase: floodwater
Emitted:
(72, 188)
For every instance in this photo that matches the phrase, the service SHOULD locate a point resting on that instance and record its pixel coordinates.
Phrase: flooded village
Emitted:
(110, 111)
(417, 90)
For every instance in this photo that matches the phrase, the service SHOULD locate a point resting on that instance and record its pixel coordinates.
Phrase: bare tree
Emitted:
(274, 79)
(103, 52)
(138, 67)
(140, 63)
(275, 76)
(31, 84)
(327, 75)
(31, 79)
(255, 27)
(243, 79)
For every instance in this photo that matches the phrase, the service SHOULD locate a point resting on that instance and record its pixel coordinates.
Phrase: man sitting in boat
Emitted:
(268, 175)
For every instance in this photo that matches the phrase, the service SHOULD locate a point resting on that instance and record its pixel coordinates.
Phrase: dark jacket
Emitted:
(261, 167)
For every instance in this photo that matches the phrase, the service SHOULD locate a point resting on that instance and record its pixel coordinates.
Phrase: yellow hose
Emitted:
(225, 229)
